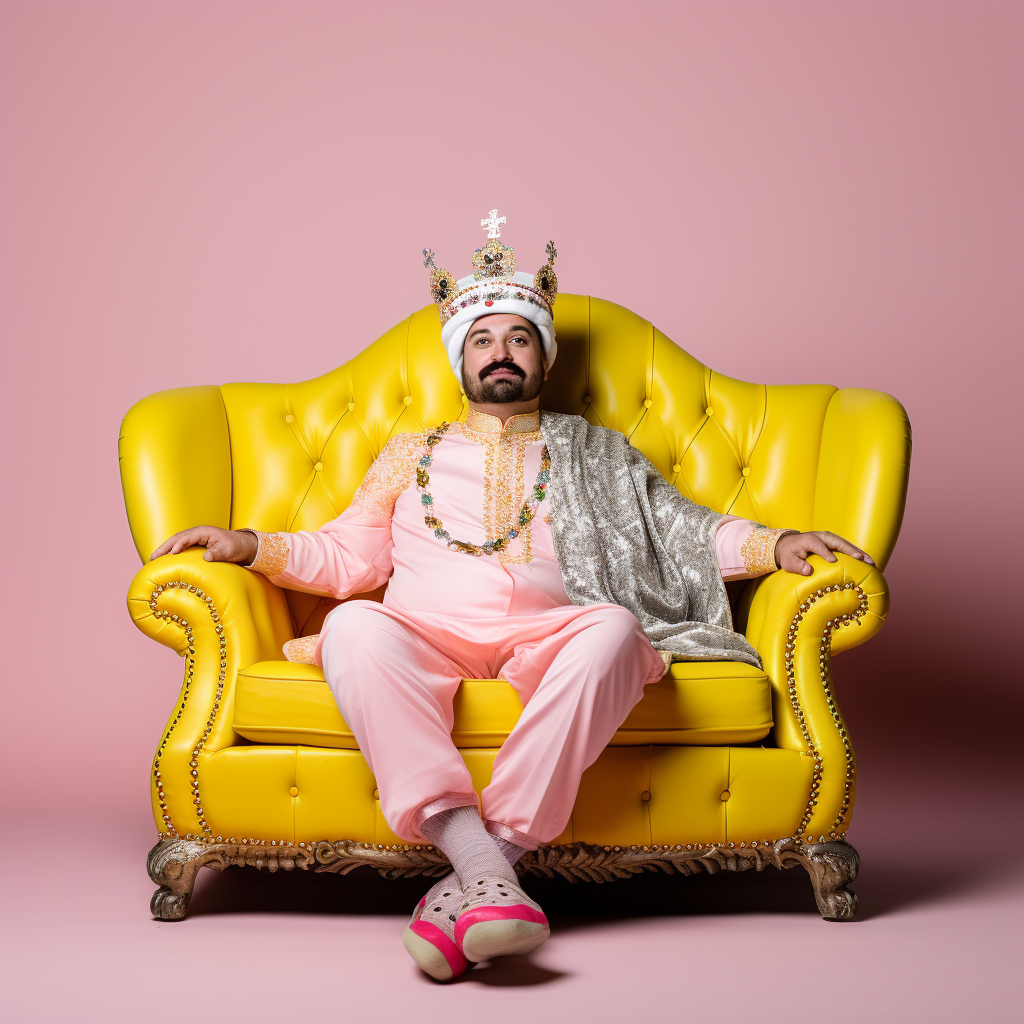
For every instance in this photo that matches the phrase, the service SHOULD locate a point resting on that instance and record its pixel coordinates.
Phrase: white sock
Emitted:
(460, 835)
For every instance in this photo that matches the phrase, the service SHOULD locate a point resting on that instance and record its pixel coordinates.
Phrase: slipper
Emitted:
(430, 935)
(498, 919)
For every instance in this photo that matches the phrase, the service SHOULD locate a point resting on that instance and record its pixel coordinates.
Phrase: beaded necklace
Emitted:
(526, 513)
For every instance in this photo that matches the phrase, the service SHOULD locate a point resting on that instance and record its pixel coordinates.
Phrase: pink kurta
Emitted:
(394, 667)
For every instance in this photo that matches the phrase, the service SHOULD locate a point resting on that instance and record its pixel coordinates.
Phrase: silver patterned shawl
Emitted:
(624, 535)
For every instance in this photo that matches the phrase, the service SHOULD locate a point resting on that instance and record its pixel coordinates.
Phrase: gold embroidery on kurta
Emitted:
(391, 473)
(302, 649)
(271, 552)
(504, 471)
(758, 550)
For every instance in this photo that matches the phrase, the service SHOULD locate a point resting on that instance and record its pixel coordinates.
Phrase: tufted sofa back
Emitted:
(290, 456)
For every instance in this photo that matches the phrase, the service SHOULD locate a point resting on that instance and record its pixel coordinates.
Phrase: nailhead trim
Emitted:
(186, 691)
(825, 674)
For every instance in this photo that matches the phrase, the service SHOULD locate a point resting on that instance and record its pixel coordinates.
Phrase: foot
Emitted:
(430, 935)
(497, 918)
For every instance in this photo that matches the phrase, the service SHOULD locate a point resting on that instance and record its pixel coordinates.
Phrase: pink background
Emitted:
(793, 191)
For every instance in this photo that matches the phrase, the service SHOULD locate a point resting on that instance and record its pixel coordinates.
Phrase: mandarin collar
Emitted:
(485, 423)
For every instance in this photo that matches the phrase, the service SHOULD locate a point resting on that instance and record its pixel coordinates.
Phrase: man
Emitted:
(520, 545)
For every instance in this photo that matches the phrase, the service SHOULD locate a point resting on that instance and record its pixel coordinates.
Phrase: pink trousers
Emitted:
(578, 672)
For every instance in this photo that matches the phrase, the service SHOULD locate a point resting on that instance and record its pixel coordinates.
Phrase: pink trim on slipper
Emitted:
(432, 934)
(479, 915)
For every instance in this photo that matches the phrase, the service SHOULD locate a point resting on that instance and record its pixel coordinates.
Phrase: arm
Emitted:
(349, 555)
(746, 549)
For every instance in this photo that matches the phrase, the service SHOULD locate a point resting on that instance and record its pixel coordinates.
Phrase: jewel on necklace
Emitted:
(526, 513)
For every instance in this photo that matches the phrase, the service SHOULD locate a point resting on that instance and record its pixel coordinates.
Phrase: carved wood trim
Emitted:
(173, 864)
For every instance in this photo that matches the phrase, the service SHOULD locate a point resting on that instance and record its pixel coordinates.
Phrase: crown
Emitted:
(494, 276)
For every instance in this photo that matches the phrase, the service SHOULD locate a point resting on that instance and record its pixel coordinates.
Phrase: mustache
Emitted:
(508, 365)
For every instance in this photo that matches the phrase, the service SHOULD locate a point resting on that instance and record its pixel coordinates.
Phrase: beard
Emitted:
(501, 390)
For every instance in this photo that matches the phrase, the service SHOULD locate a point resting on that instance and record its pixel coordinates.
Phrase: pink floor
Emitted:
(938, 939)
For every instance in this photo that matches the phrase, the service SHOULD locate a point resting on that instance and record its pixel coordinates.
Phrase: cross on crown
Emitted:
(493, 224)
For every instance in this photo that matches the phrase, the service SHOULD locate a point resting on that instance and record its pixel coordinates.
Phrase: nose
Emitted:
(500, 352)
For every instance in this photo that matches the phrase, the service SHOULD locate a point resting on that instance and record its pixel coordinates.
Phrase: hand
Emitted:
(221, 545)
(793, 548)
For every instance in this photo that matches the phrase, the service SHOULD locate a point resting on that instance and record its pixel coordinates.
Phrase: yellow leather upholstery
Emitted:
(289, 457)
(697, 703)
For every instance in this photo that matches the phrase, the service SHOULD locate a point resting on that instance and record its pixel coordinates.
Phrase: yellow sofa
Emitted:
(720, 766)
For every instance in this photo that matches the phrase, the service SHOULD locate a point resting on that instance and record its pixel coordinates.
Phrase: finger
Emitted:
(800, 567)
(160, 550)
(818, 547)
(855, 552)
(837, 543)
(167, 546)
(188, 538)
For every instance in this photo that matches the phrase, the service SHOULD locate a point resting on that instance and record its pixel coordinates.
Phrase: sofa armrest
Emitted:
(797, 623)
(860, 489)
(174, 451)
(221, 618)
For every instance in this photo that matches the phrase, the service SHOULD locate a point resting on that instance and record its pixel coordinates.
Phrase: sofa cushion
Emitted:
(697, 702)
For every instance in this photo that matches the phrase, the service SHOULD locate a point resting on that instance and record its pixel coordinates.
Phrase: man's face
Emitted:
(502, 360)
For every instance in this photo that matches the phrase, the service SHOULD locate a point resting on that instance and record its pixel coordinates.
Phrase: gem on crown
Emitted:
(494, 260)
(442, 283)
(545, 280)
(494, 266)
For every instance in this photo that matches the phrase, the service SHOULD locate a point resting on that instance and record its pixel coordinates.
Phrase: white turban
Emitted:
(454, 331)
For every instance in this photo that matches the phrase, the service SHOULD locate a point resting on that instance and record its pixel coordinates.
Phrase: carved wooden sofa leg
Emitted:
(832, 866)
(173, 864)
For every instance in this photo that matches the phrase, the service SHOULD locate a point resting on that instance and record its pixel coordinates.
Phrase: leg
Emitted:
(832, 866)
(577, 686)
(173, 864)
(395, 691)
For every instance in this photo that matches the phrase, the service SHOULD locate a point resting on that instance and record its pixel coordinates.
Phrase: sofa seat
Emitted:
(697, 703)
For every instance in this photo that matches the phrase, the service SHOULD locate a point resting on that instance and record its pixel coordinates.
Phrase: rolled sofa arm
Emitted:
(221, 618)
(797, 623)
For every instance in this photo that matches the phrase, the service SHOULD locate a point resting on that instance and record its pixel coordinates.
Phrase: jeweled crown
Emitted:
(494, 268)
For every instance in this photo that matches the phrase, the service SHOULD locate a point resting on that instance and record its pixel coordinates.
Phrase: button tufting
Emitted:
(351, 406)
(289, 418)
(407, 399)
(319, 466)
(645, 795)
(676, 468)
(587, 399)
(376, 794)
(745, 471)
(724, 795)
(294, 791)
(647, 403)
(710, 411)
